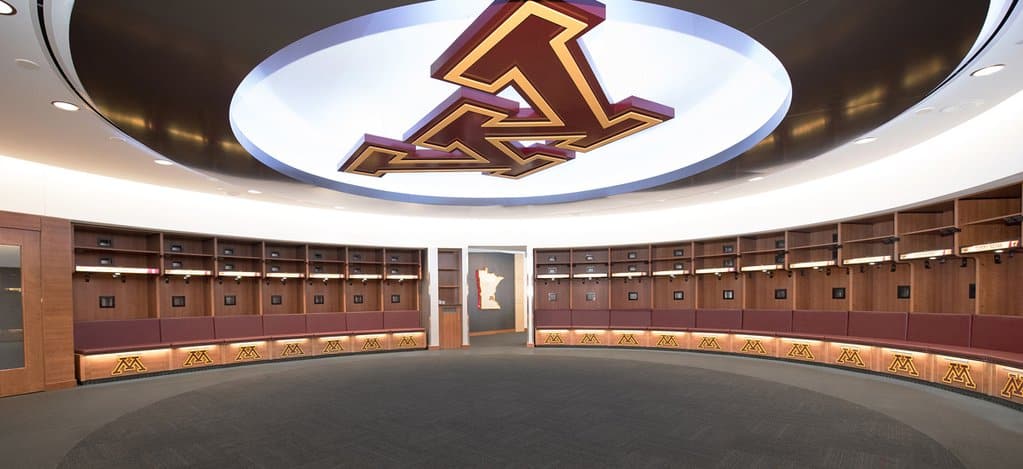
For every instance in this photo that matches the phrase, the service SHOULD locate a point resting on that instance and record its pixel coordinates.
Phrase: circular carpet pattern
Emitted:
(457, 410)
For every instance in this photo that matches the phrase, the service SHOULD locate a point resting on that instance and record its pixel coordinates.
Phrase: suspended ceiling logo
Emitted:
(533, 47)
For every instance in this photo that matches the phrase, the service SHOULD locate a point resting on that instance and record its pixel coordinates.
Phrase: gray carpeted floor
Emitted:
(451, 409)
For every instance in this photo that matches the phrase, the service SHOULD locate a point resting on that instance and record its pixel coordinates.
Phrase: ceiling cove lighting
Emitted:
(864, 140)
(988, 71)
(6, 9)
(62, 105)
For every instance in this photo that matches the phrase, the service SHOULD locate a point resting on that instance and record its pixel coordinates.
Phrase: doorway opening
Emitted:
(497, 297)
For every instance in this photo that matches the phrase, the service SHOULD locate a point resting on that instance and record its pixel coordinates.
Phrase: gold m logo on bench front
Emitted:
(709, 343)
(628, 339)
(372, 343)
(801, 351)
(1013, 386)
(903, 364)
(247, 352)
(851, 356)
(554, 338)
(333, 346)
(753, 346)
(590, 339)
(128, 365)
(197, 357)
(667, 341)
(959, 373)
(292, 350)
(408, 341)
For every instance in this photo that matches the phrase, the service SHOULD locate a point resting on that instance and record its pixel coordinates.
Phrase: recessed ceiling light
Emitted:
(755, 179)
(6, 8)
(925, 110)
(949, 109)
(338, 207)
(117, 138)
(163, 162)
(988, 71)
(864, 140)
(64, 106)
(253, 191)
(26, 64)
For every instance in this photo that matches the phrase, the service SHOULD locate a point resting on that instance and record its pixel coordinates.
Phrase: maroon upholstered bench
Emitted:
(673, 319)
(820, 323)
(366, 321)
(600, 318)
(402, 320)
(878, 324)
(249, 327)
(767, 320)
(116, 336)
(1004, 333)
(938, 328)
(284, 326)
(326, 323)
(624, 318)
(719, 319)
(552, 318)
(187, 331)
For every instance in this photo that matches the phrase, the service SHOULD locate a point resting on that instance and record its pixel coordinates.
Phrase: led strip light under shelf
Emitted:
(867, 260)
(925, 254)
(116, 270)
(990, 247)
(762, 268)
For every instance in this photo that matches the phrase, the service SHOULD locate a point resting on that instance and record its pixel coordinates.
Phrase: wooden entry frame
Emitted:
(30, 378)
(449, 267)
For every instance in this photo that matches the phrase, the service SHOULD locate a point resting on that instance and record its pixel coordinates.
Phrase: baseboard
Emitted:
(494, 332)
(435, 347)
(61, 385)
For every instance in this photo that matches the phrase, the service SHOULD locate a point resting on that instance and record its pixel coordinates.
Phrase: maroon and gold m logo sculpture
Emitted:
(533, 47)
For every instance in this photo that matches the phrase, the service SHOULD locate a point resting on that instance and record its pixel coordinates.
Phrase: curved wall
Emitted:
(981, 151)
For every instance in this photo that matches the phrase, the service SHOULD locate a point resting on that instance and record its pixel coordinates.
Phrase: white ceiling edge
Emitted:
(927, 171)
(79, 141)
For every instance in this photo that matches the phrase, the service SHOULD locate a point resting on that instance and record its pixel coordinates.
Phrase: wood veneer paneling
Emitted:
(664, 293)
(875, 289)
(331, 292)
(944, 288)
(813, 289)
(370, 291)
(195, 290)
(291, 295)
(598, 287)
(245, 291)
(31, 377)
(560, 288)
(57, 303)
(1000, 286)
(406, 292)
(758, 291)
(710, 294)
(621, 287)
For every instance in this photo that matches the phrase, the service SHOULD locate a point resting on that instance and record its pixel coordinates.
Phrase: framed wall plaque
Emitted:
(838, 293)
(105, 243)
(591, 296)
(276, 299)
(678, 252)
(317, 255)
(552, 296)
(275, 254)
(275, 268)
(589, 257)
(318, 299)
(228, 266)
(678, 295)
(632, 255)
(728, 294)
(633, 296)
(394, 258)
(358, 299)
(177, 302)
(107, 302)
(317, 269)
(106, 261)
(781, 293)
(228, 251)
(728, 262)
(902, 292)
(728, 248)
(230, 300)
(176, 248)
(395, 298)
(779, 244)
(177, 264)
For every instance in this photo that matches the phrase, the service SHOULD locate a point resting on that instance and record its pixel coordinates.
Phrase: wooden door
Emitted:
(450, 327)
(21, 344)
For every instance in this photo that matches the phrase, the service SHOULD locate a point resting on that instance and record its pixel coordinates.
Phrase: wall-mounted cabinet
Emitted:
(868, 241)
(926, 232)
(115, 274)
(763, 253)
(813, 247)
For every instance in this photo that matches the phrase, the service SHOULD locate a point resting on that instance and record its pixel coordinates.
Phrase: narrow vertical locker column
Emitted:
(187, 276)
(767, 285)
(716, 265)
(991, 234)
(940, 282)
(818, 283)
(239, 269)
(449, 300)
(325, 284)
(283, 271)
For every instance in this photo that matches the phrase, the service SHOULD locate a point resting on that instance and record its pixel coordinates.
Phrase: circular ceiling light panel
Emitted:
(707, 93)
(988, 71)
(6, 9)
(65, 106)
